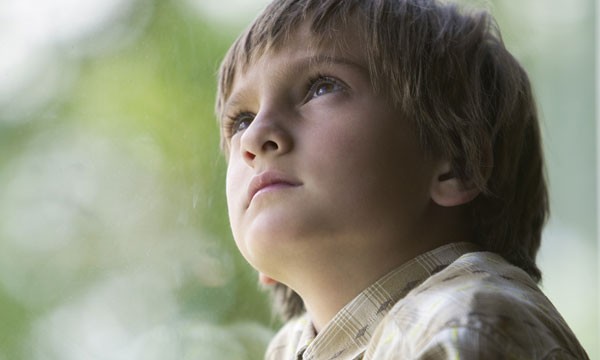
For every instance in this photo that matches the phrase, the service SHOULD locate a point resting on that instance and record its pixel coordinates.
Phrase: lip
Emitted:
(267, 180)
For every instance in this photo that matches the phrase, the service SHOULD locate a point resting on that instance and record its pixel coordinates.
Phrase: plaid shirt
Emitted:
(450, 303)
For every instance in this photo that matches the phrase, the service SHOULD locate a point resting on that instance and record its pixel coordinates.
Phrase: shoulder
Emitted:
(480, 306)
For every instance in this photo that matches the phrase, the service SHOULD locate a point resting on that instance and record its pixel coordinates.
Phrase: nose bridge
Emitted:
(267, 135)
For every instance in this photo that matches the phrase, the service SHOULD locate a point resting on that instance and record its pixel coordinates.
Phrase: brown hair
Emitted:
(450, 73)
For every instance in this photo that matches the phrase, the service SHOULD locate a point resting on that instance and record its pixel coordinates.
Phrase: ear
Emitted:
(447, 189)
(265, 280)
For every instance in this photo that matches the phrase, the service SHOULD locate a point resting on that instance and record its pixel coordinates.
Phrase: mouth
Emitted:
(268, 181)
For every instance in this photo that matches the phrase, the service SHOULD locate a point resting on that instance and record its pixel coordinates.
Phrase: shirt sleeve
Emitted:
(451, 343)
(467, 343)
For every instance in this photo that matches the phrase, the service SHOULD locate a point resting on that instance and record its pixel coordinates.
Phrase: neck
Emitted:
(334, 281)
(326, 293)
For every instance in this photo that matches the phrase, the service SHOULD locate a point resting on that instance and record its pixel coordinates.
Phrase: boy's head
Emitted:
(462, 103)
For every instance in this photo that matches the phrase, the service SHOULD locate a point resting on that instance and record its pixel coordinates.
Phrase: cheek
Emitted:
(232, 193)
(234, 178)
(229, 186)
(371, 160)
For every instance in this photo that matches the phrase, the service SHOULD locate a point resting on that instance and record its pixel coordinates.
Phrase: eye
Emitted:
(323, 85)
(238, 122)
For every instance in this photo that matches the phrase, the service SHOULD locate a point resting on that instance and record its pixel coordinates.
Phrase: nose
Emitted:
(267, 136)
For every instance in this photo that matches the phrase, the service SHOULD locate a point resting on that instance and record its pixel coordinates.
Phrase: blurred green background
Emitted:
(114, 240)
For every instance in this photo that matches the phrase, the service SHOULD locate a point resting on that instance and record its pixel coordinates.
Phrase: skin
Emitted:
(356, 195)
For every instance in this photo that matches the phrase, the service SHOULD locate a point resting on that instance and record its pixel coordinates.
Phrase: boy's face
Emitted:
(321, 167)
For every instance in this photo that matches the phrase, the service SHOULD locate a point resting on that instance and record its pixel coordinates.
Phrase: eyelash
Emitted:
(233, 121)
(320, 79)
(314, 82)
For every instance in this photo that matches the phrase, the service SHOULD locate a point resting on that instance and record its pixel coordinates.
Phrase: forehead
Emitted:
(304, 49)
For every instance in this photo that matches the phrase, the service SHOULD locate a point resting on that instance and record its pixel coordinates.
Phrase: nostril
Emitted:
(270, 145)
(248, 155)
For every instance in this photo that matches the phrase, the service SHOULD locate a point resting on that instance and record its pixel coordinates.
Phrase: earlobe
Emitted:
(265, 280)
(447, 189)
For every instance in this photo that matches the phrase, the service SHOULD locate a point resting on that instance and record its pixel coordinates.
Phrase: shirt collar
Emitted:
(348, 333)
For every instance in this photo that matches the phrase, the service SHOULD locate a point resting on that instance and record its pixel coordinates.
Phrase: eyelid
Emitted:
(231, 121)
(318, 80)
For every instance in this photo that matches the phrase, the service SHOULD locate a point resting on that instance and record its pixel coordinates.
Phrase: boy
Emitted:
(384, 162)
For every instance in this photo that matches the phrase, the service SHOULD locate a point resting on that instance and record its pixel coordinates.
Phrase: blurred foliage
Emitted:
(114, 239)
(115, 235)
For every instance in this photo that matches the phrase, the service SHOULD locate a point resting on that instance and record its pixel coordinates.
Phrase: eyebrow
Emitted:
(326, 59)
(238, 98)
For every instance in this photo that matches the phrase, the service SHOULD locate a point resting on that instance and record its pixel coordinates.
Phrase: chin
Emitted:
(268, 243)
